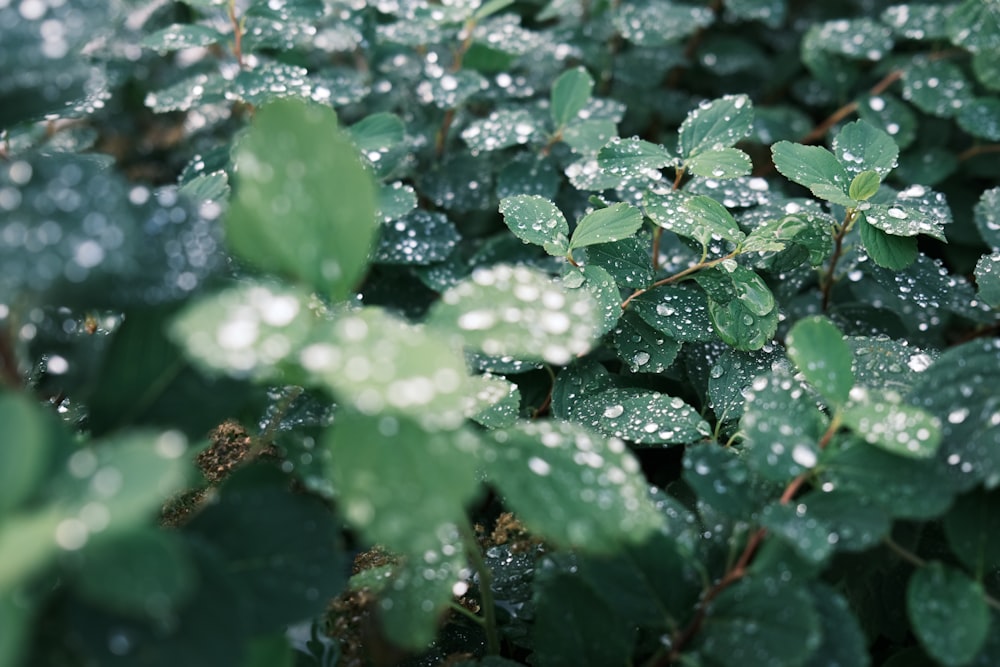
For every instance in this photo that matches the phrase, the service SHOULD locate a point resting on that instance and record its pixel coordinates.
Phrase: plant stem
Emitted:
(267, 435)
(237, 33)
(843, 112)
(678, 276)
(827, 280)
(978, 149)
(489, 621)
(449, 116)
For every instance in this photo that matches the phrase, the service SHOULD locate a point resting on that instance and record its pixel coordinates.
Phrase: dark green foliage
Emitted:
(455, 281)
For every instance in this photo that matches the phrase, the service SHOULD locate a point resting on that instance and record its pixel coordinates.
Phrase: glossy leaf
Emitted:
(714, 125)
(890, 114)
(796, 527)
(626, 260)
(818, 349)
(844, 641)
(886, 250)
(864, 185)
(980, 117)
(570, 93)
(738, 324)
(555, 474)
(697, 217)
(723, 163)
(643, 348)
(419, 237)
(23, 465)
(513, 310)
(987, 216)
(502, 129)
(626, 158)
(605, 225)
(916, 210)
(408, 370)
(886, 422)
(852, 521)
(733, 372)
(862, 147)
(948, 612)
(652, 23)
(181, 36)
(495, 402)
(758, 620)
(304, 206)
(813, 167)
(782, 427)
(975, 26)
(988, 279)
(679, 311)
(936, 87)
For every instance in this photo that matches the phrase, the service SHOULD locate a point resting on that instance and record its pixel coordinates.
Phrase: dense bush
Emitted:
(595, 332)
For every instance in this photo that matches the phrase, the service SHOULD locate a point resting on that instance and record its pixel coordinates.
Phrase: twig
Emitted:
(237, 33)
(978, 149)
(843, 112)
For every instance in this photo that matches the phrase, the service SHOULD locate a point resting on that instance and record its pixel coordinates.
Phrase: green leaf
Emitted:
(936, 87)
(679, 311)
(732, 374)
(715, 125)
(820, 353)
(571, 486)
(287, 569)
(15, 619)
(381, 468)
(972, 526)
(881, 363)
(917, 210)
(987, 69)
(655, 24)
(502, 129)
(420, 237)
(987, 216)
(245, 331)
(739, 324)
(720, 477)
(844, 641)
(781, 426)
(890, 114)
(886, 422)
(569, 617)
(182, 36)
(528, 174)
(886, 250)
(207, 187)
(378, 132)
(570, 93)
(632, 158)
(602, 287)
(304, 207)
(948, 612)
(395, 200)
(813, 167)
(975, 26)
(988, 279)
(797, 528)
(605, 225)
(722, 163)
(22, 465)
(699, 217)
(643, 348)
(798, 232)
(518, 312)
(141, 573)
(959, 390)
(864, 185)
(381, 364)
(588, 137)
(490, 7)
(627, 260)
(762, 620)
(860, 39)
(854, 522)
(980, 117)
(493, 401)
(920, 21)
(452, 89)
(904, 487)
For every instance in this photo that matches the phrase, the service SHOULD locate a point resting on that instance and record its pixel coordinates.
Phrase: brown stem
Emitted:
(843, 112)
(828, 279)
(237, 33)
(978, 149)
(678, 276)
(9, 374)
(690, 48)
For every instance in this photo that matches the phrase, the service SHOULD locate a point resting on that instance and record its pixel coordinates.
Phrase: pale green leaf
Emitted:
(861, 147)
(812, 166)
(377, 132)
(22, 466)
(739, 326)
(537, 220)
(518, 312)
(916, 210)
(570, 93)
(715, 125)
(884, 420)
(722, 163)
(182, 36)
(605, 225)
(588, 137)
(820, 353)
(864, 185)
(570, 485)
(304, 207)
(493, 401)
(937, 87)
(630, 158)
(381, 364)
(698, 217)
